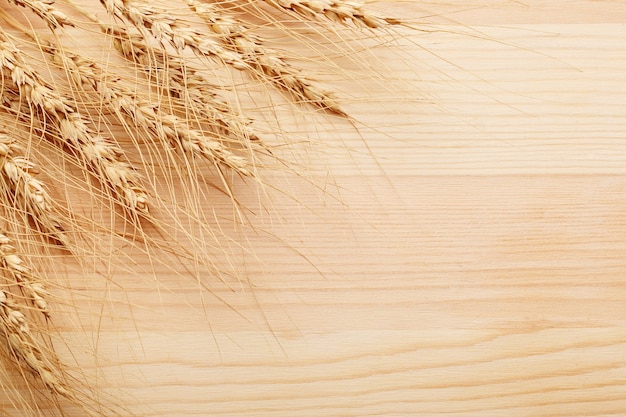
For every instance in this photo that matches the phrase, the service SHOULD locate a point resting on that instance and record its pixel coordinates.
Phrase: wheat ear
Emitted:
(337, 11)
(27, 350)
(168, 128)
(102, 156)
(28, 191)
(268, 62)
(44, 9)
(30, 283)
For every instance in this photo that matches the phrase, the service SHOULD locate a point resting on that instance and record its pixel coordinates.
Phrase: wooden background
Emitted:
(476, 265)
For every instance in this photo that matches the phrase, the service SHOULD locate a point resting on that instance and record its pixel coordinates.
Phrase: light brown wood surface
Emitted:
(474, 266)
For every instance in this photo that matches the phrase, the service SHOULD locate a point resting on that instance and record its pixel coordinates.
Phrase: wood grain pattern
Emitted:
(475, 267)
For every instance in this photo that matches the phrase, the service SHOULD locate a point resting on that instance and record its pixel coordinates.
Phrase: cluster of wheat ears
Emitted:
(98, 144)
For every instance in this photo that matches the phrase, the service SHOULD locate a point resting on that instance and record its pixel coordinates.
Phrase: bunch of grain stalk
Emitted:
(168, 84)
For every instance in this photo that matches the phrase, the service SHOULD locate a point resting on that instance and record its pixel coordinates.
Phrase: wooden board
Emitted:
(474, 265)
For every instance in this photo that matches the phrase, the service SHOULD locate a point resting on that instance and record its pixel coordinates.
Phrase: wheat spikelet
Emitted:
(32, 285)
(29, 192)
(27, 350)
(168, 30)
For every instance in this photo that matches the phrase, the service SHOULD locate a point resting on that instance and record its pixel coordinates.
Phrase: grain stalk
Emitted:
(230, 41)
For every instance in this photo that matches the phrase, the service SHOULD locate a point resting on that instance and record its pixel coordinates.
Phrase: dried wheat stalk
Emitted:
(194, 89)
(189, 114)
